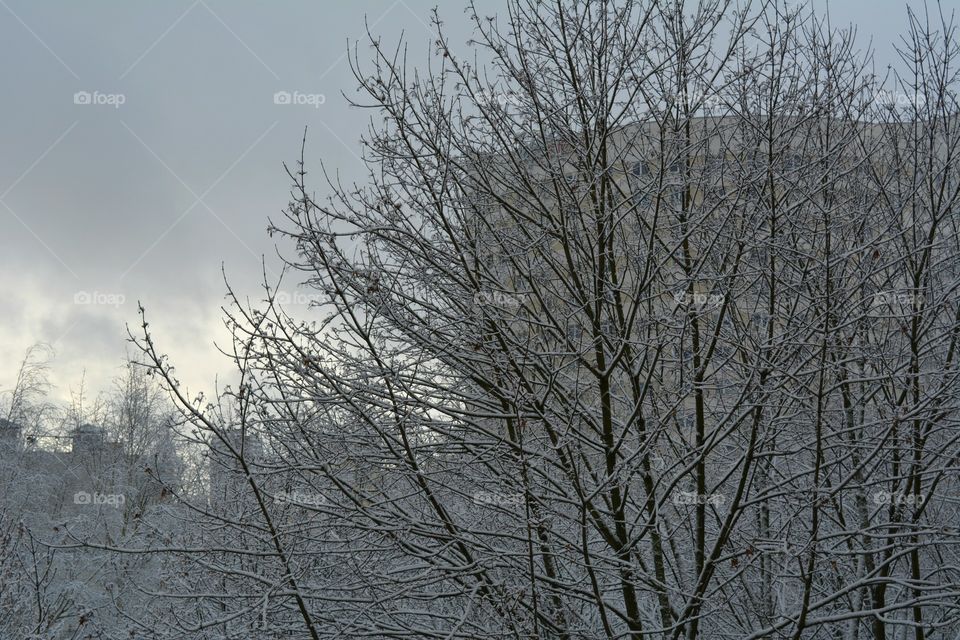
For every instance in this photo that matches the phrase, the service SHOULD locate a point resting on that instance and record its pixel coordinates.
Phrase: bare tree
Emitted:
(643, 327)
(25, 403)
(59, 577)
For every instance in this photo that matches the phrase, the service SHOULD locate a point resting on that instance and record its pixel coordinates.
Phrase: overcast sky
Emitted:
(103, 204)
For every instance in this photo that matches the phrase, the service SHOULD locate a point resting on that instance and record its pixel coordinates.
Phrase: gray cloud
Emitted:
(103, 198)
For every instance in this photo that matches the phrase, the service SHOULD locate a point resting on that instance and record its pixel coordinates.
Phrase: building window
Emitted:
(760, 320)
(483, 206)
(715, 162)
(640, 200)
(674, 197)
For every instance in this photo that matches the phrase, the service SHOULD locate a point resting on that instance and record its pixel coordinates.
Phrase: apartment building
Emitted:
(93, 474)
